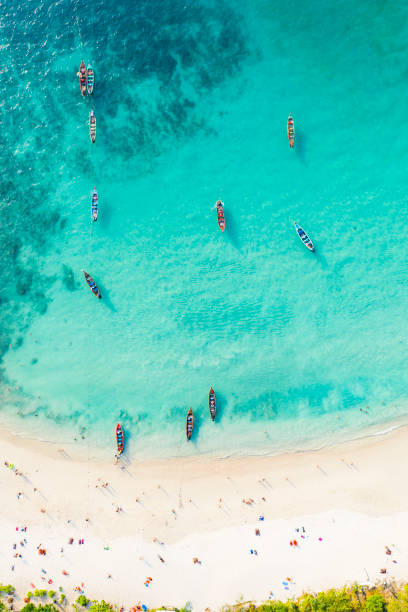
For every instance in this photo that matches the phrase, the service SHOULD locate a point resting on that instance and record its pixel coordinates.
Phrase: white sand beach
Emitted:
(342, 505)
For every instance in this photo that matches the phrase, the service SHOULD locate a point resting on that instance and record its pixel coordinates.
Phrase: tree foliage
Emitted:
(100, 606)
(30, 607)
(7, 588)
(375, 603)
(386, 597)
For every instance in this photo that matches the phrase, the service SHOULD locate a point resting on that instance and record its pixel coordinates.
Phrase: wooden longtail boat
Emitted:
(90, 79)
(212, 403)
(120, 439)
(291, 131)
(92, 285)
(220, 215)
(92, 126)
(82, 78)
(94, 205)
(304, 237)
(189, 423)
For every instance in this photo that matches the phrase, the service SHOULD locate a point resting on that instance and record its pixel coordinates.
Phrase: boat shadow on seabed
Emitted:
(231, 230)
(300, 145)
(106, 299)
(221, 405)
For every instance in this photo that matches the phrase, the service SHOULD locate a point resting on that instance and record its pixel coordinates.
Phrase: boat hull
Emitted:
(291, 131)
(82, 78)
(92, 126)
(220, 215)
(189, 424)
(92, 285)
(120, 439)
(304, 238)
(212, 405)
(90, 79)
(94, 206)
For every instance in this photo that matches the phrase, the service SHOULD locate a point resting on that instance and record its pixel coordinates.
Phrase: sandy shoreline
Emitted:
(349, 495)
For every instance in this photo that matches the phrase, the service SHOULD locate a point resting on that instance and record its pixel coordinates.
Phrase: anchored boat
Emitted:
(120, 439)
(92, 126)
(90, 78)
(82, 78)
(189, 423)
(92, 284)
(212, 403)
(304, 237)
(220, 215)
(291, 131)
(94, 205)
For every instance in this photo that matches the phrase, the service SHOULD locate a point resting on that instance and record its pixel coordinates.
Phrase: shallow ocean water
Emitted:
(191, 101)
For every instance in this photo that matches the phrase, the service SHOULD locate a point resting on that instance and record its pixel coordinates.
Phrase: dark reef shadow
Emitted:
(231, 230)
(300, 145)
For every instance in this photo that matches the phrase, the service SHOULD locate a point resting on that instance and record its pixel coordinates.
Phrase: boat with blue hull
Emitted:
(304, 237)
(94, 205)
(92, 285)
(120, 439)
(212, 403)
(90, 79)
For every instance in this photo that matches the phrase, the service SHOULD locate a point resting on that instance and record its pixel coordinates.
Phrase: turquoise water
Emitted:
(191, 101)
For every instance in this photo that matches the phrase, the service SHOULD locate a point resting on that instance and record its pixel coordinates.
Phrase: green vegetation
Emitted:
(382, 598)
(7, 588)
(100, 606)
(30, 607)
(84, 601)
(387, 597)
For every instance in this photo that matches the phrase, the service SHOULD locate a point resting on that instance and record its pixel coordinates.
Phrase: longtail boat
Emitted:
(291, 131)
(82, 78)
(220, 215)
(304, 237)
(189, 423)
(120, 439)
(212, 403)
(92, 126)
(90, 79)
(94, 205)
(92, 285)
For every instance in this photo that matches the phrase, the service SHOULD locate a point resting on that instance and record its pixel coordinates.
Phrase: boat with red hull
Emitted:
(220, 215)
(82, 77)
